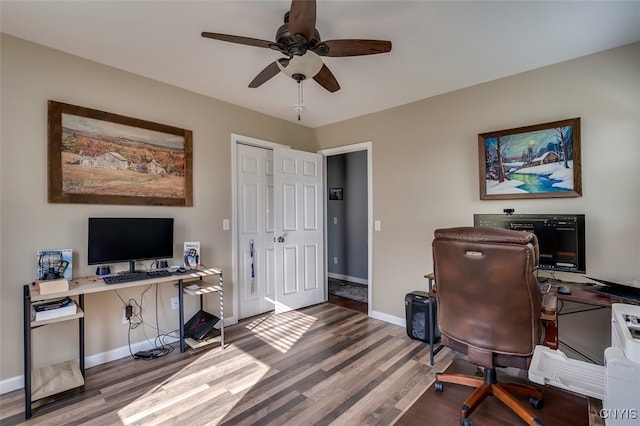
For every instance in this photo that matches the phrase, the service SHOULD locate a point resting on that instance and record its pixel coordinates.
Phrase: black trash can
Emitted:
(416, 306)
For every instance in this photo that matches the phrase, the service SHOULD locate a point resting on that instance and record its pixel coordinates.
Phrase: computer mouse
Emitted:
(563, 289)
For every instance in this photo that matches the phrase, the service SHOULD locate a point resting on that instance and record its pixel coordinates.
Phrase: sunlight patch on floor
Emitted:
(180, 394)
(281, 331)
(175, 396)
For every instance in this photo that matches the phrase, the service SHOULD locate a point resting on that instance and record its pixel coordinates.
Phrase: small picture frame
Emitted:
(335, 194)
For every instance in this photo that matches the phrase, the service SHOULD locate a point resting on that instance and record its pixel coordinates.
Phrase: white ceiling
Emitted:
(438, 47)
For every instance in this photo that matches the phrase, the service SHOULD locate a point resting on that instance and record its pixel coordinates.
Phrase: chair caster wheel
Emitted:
(536, 402)
(438, 386)
(465, 421)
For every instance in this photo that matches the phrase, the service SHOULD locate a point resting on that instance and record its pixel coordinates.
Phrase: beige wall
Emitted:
(32, 74)
(425, 165)
(424, 174)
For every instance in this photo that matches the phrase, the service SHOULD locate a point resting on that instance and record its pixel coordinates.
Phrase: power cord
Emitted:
(133, 311)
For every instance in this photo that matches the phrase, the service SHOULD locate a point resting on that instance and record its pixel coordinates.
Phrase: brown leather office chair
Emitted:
(489, 306)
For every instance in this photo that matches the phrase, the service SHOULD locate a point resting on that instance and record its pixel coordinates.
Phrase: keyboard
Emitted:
(136, 276)
(628, 295)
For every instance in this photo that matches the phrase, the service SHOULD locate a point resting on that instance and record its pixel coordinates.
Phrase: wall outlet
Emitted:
(225, 224)
(175, 303)
(335, 260)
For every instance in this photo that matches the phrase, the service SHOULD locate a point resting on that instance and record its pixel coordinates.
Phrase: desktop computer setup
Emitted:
(561, 240)
(125, 239)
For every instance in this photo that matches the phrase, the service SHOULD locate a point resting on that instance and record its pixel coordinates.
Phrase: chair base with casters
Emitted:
(489, 385)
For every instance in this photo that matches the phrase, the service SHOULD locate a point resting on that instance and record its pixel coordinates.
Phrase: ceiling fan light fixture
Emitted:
(302, 67)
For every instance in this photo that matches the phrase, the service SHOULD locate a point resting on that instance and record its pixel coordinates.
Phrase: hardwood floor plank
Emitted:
(281, 384)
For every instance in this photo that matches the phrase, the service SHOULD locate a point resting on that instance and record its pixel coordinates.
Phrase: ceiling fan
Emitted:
(300, 41)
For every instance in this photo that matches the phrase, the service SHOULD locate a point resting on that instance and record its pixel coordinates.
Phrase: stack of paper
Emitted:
(54, 309)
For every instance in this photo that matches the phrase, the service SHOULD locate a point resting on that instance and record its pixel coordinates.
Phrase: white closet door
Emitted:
(256, 278)
(299, 248)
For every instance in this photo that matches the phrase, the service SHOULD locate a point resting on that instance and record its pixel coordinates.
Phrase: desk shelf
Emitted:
(201, 287)
(34, 323)
(56, 378)
(195, 344)
(198, 288)
(50, 380)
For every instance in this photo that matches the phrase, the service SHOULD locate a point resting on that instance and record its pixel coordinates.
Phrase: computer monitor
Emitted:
(561, 237)
(115, 240)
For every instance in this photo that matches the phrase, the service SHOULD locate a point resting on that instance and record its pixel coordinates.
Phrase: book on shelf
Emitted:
(52, 286)
(54, 308)
(191, 254)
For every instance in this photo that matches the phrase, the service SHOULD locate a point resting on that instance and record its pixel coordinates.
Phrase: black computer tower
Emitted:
(416, 306)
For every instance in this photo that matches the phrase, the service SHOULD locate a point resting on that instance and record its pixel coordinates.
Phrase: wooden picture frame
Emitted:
(540, 161)
(96, 157)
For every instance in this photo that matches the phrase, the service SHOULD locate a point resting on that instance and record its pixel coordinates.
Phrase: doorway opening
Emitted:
(348, 213)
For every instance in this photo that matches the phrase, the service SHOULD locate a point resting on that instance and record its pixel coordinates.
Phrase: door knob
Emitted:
(281, 239)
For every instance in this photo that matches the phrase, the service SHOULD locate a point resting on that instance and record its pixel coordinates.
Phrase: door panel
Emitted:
(269, 219)
(251, 204)
(289, 206)
(298, 188)
(255, 206)
(311, 267)
(310, 211)
(290, 278)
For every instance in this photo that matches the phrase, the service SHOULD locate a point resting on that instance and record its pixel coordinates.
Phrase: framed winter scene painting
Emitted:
(540, 161)
(97, 157)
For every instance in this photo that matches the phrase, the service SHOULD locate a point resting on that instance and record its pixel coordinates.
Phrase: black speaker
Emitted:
(417, 318)
(103, 270)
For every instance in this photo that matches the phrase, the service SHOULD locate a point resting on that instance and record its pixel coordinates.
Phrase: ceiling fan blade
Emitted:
(356, 47)
(302, 18)
(326, 79)
(238, 39)
(265, 75)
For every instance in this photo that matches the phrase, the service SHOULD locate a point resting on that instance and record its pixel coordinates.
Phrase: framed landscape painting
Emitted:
(101, 158)
(540, 161)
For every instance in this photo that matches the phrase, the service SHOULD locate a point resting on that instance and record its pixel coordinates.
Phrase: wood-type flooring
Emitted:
(320, 365)
(561, 408)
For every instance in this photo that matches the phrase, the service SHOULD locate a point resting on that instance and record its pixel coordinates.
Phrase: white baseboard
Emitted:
(121, 352)
(348, 278)
(11, 384)
(389, 318)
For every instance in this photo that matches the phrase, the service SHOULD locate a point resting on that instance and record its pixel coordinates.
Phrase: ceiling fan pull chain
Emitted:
(299, 107)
